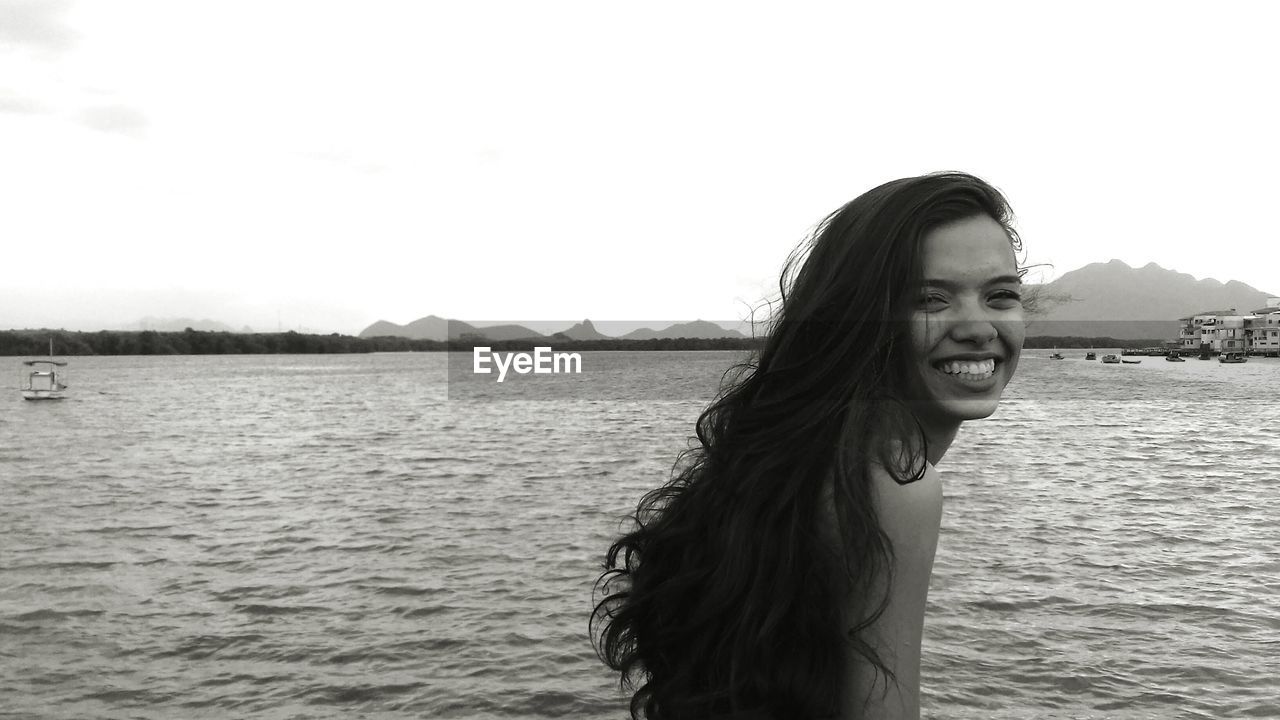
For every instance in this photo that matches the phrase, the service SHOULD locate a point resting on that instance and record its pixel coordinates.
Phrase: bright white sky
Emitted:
(328, 164)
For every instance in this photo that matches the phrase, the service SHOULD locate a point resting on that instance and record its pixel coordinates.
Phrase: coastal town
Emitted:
(1219, 332)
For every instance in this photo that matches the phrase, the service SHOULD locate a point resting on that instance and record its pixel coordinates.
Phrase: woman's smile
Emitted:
(978, 375)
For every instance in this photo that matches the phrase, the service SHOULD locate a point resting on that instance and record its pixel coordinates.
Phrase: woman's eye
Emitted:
(1006, 299)
(931, 300)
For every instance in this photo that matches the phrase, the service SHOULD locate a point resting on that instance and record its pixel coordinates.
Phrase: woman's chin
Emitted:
(955, 411)
(975, 409)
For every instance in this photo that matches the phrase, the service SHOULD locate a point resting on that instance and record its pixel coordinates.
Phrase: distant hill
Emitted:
(430, 327)
(508, 332)
(436, 328)
(695, 329)
(582, 331)
(1115, 300)
(382, 328)
(433, 327)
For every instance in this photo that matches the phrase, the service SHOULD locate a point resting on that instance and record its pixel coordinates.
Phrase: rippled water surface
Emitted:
(329, 536)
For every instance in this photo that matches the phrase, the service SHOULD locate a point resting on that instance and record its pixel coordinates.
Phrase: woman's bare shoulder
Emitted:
(911, 505)
(911, 515)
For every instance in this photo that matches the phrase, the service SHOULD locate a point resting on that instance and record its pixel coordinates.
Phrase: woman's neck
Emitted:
(940, 440)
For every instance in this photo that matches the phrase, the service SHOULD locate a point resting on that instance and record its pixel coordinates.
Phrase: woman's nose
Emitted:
(973, 324)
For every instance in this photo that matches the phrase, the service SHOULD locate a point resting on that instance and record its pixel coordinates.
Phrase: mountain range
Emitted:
(1112, 299)
(432, 327)
(1108, 299)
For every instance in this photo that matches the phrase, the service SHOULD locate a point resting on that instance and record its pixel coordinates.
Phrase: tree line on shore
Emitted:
(1068, 342)
(195, 342)
(200, 342)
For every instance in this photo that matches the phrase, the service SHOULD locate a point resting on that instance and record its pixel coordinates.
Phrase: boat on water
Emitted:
(44, 379)
(1111, 359)
(1232, 357)
(1091, 356)
(1174, 357)
(1130, 362)
(1056, 356)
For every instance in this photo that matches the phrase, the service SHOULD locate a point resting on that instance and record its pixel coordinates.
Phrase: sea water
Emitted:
(373, 536)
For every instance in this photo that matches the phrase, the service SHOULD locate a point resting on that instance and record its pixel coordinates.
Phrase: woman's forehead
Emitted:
(973, 249)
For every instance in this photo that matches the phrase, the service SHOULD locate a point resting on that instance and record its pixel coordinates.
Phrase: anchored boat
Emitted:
(43, 379)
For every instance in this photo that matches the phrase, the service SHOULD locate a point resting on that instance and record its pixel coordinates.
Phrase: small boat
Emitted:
(1130, 362)
(1111, 359)
(42, 380)
(1091, 356)
(1056, 356)
(1232, 357)
(1174, 357)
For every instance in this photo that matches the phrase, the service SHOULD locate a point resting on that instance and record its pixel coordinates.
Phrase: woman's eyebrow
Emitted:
(999, 280)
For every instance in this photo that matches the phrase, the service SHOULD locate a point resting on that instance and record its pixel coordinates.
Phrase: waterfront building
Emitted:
(1200, 331)
(1263, 329)
(1218, 331)
(1230, 336)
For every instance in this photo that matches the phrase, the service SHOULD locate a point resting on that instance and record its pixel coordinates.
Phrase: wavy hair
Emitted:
(730, 595)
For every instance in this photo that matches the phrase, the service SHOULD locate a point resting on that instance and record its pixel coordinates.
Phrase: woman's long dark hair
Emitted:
(728, 598)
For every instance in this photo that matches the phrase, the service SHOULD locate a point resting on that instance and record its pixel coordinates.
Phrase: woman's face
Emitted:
(968, 328)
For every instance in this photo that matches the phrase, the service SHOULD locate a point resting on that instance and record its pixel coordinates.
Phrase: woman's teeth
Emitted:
(979, 369)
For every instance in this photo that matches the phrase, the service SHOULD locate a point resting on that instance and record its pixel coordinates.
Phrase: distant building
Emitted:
(1218, 331)
(1263, 329)
(1199, 332)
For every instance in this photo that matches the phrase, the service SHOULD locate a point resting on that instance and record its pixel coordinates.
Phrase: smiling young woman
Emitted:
(783, 572)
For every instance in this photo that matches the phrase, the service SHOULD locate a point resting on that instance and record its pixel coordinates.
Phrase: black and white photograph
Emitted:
(663, 361)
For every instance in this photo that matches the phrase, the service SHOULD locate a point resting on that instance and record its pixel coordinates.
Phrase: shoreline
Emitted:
(21, 343)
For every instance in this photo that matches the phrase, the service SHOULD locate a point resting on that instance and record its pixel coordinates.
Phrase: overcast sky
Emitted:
(328, 164)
